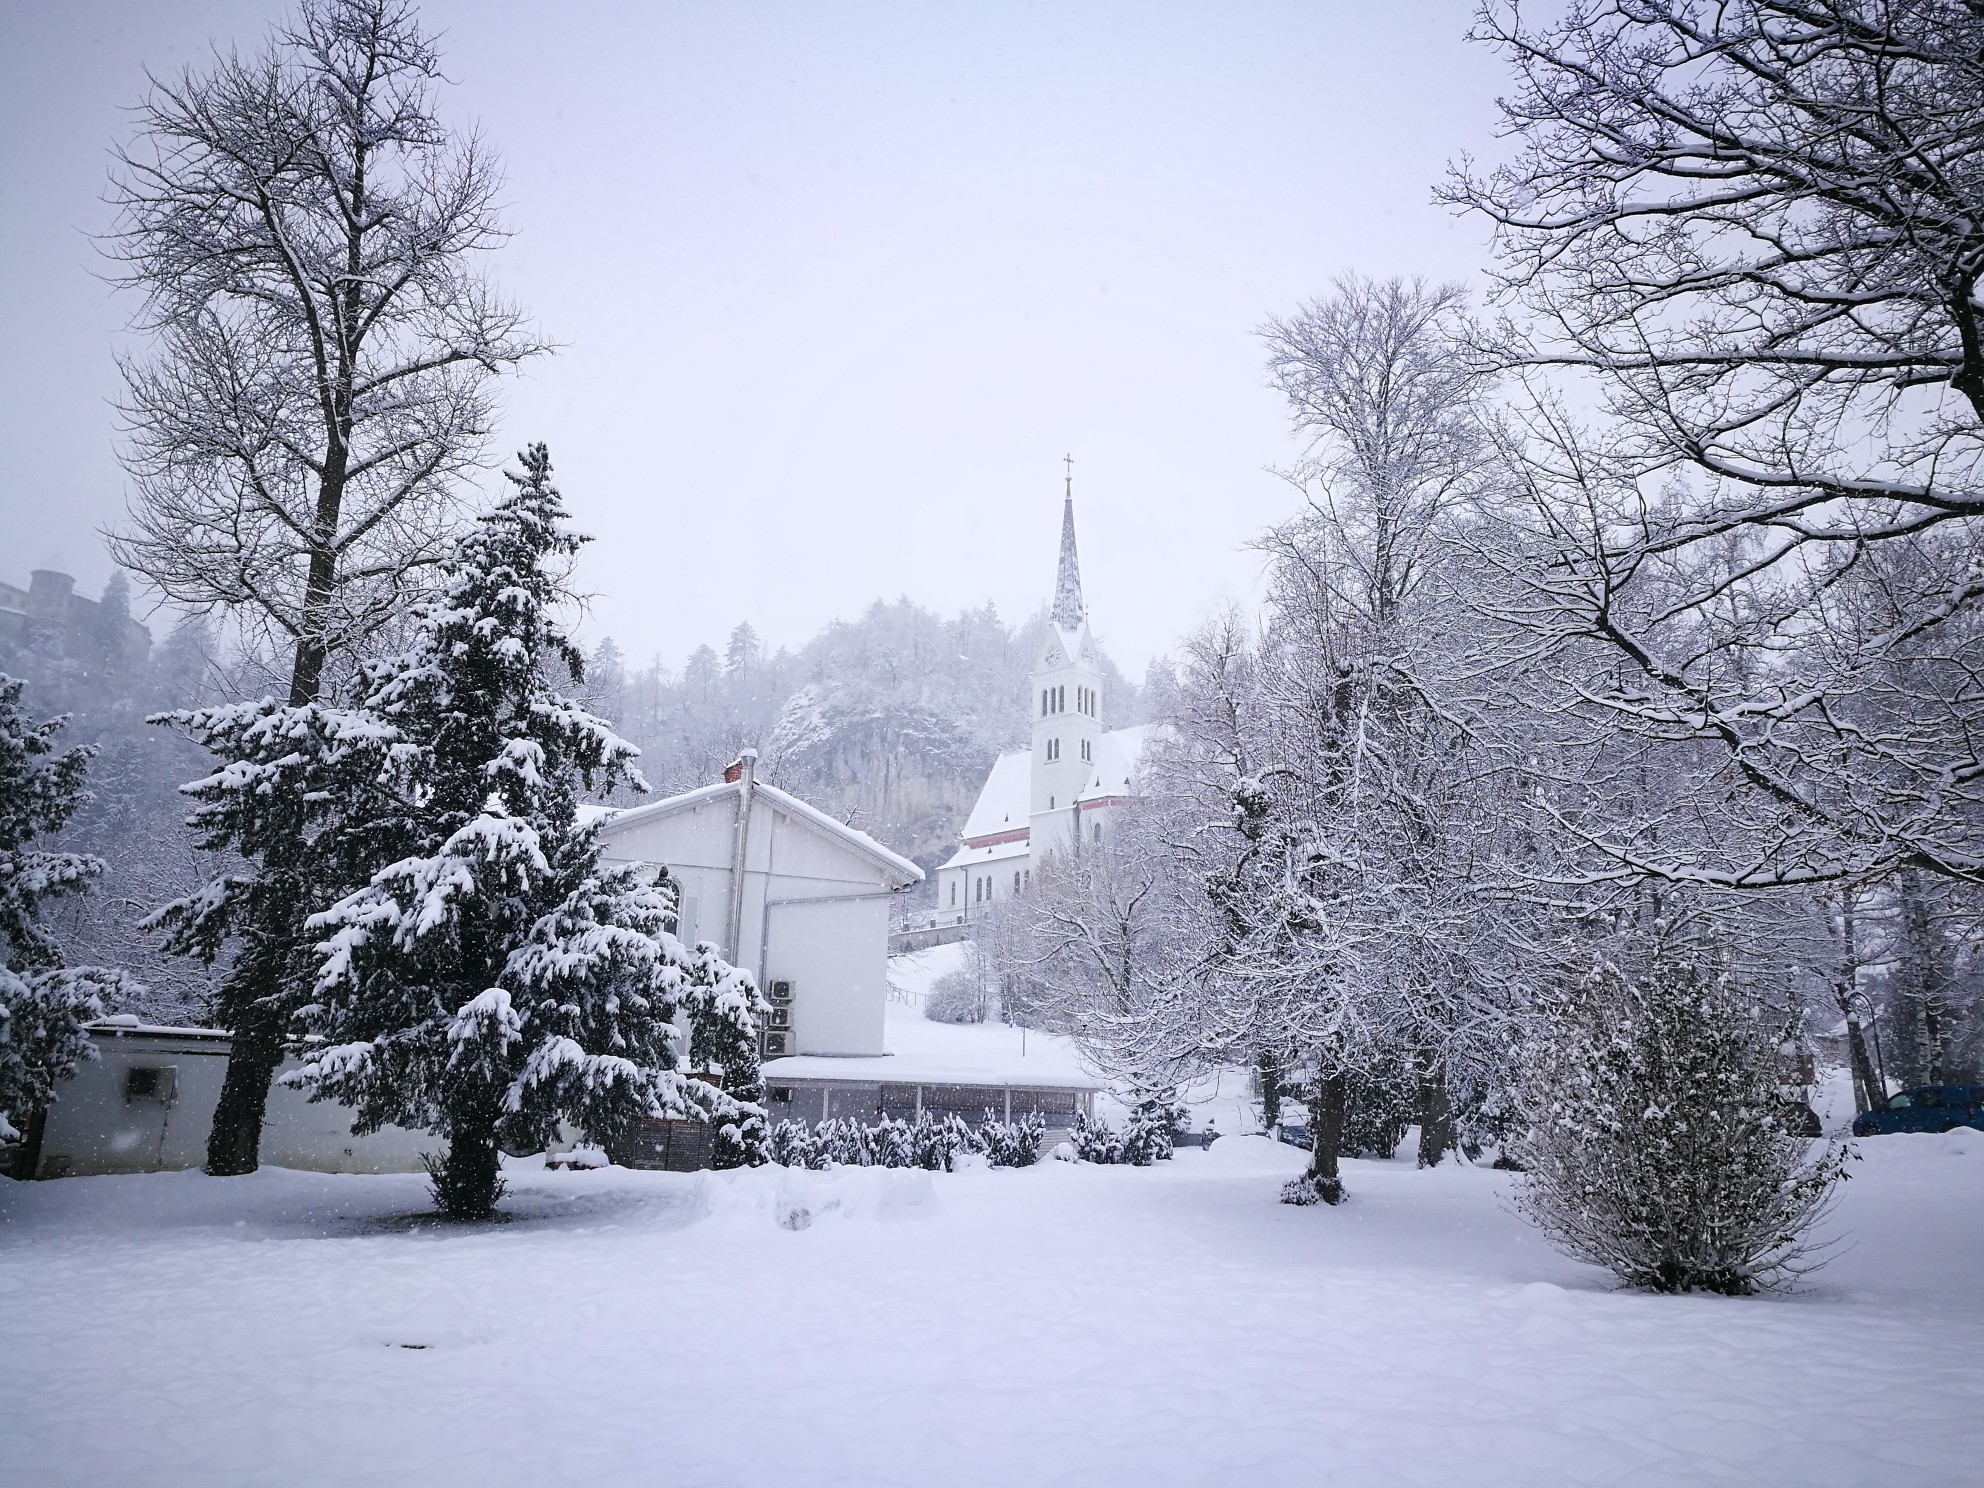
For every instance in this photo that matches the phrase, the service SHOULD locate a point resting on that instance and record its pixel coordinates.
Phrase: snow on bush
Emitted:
(1657, 1145)
(958, 996)
(927, 1142)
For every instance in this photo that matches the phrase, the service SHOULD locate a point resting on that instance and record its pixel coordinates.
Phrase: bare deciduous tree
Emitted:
(1757, 228)
(307, 237)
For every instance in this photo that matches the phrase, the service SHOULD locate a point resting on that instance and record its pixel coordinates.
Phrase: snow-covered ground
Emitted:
(1058, 1325)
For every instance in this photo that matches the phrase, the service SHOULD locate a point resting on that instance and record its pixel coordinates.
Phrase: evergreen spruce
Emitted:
(43, 1008)
(494, 979)
(303, 802)
(725, 1010)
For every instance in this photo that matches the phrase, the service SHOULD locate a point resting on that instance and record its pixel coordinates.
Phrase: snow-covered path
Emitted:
(1059, 1325)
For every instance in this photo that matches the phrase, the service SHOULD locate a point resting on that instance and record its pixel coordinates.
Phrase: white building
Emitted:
(146, 1102)
(790, 894)
(1077, 770)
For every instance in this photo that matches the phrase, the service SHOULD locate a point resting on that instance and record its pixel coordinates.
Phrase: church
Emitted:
(1039, 800)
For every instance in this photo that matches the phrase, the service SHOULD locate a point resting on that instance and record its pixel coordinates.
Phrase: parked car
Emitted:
(1926, 1108)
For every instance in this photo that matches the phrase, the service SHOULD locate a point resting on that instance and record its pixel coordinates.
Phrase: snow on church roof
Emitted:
(1004, 801)
(1117, 758)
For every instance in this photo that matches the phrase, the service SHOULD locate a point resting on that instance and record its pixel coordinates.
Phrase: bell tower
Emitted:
(1067, 701)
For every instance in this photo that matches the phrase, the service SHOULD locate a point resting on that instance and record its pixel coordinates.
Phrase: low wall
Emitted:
(146, 1103)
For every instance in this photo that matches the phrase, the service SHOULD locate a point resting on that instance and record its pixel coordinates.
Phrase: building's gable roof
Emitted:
(1005, 800)
(858, 842)
(993, 853)
(1118, 757)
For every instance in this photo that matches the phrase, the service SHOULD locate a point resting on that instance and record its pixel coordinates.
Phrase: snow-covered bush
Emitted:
(1095, 1140)
(1378, 1105)
(958, 996)
(1147, 1134)
(1014, 1144)
(928, 1141)
(889, 1144)
(1655, 1143)
(791, 1145)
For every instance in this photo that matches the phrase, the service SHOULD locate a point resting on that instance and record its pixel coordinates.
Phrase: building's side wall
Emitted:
(836, 954)
(92, 1127)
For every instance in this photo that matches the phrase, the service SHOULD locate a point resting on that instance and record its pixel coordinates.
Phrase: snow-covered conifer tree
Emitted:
(42, 1007)
(725, 1010)
(493, 978)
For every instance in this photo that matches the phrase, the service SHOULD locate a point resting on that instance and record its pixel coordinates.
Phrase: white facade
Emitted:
(1075, 772)
(790, 894)
(146, 1102)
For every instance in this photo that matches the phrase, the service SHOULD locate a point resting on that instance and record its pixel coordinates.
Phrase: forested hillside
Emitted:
(134, 815)
(888, 721)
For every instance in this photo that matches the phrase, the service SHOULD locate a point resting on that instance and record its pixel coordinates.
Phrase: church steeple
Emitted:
(1069, 611)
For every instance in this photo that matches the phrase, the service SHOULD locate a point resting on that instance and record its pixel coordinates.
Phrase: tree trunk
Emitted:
(1436, 1115)
(469, 1180)
(1326, 1139)
(234, 1141)
(1866, 1084)
(1270, 1070)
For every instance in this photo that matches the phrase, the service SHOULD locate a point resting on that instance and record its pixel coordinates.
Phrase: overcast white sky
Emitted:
(837, 284)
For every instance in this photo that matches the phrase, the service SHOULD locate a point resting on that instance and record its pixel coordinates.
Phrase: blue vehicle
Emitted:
(1926, 1108)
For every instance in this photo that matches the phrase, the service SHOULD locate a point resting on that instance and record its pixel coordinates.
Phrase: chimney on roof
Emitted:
(744, 767)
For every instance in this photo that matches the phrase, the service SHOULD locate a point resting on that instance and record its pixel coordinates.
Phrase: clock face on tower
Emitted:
(1053, 657)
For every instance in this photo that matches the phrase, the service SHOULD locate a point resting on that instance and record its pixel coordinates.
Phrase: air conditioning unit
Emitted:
(781, 1018)
(775, 1045)
(781, 990)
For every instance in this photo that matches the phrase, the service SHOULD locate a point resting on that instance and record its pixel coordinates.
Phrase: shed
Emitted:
(792, 895)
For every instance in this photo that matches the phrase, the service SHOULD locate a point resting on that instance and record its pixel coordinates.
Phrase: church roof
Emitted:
(979, 857)
(1005, 798)
(1117, 758)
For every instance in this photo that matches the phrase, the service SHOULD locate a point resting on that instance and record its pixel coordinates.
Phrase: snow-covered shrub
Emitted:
(1014, 1144)
(1095, 1140)
(1379, 1103)
(1655, 1143)
(930, 1143)
(846, 1142)
(958, 996)
(791, 1144)
(889, 1144)
(1147, 1134)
